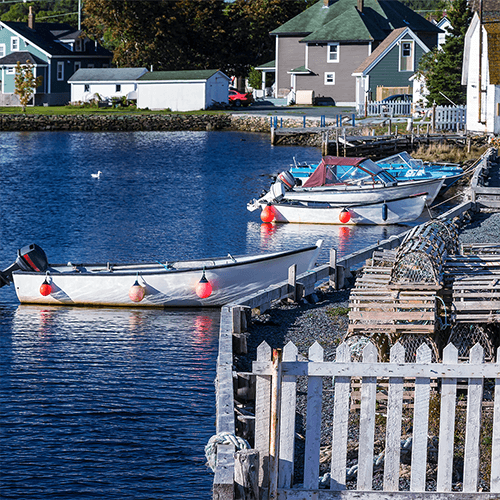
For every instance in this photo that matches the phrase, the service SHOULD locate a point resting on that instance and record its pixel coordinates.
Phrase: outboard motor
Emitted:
(29, 258)
(287, 179)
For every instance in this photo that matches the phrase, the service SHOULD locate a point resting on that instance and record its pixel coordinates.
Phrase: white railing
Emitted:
(375, 108)
(451, 117)
(276, 434)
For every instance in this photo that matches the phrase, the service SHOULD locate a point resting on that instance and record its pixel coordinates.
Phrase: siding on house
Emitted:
(386, 72)
(291, 54)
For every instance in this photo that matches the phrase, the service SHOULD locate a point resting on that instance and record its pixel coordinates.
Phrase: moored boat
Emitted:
(194, 283)
(346, 181)
(396, 211)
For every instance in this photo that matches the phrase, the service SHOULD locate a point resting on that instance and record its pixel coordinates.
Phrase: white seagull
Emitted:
(96, 176)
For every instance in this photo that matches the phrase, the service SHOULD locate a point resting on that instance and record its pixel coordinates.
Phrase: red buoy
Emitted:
(46, 288)
(267, 214)
(136, 292)
(344, 216)
(203, 288)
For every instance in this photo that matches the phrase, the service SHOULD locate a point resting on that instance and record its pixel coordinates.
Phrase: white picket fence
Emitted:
(275, 414)
(375, 108)
(451, 117)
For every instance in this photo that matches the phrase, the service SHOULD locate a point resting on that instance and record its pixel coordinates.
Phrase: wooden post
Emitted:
(418, 129)
(292, 282)
(333, 268)
(337, 140)
(246, 474)
(434, 118)
(390, 127)
(468, 144)
(274, 434)
(344, 144)
(273, 135)
(236, 319)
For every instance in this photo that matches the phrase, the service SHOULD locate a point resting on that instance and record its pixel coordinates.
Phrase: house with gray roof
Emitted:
(323, 46)
(105, 83)
(188, 90)
(56, 51)
(391, 65)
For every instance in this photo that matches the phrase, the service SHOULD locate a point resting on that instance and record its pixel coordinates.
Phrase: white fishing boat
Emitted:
(346, 181)
(194, 283)
(396, 211)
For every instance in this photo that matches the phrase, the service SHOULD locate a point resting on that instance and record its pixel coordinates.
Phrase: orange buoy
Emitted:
(46, 288)
(267, 214)
(344, 216)
(136, 292)
(203, 288)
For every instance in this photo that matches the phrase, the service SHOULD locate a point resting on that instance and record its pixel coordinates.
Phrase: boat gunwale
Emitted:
(161, 268)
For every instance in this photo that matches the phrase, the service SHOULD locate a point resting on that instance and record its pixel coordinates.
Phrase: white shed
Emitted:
(188, 90)
(108, 83)
(482, 43)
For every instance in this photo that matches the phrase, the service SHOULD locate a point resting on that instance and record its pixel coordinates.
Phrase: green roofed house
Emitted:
(320, 49)
(56, 51)
(188, 90)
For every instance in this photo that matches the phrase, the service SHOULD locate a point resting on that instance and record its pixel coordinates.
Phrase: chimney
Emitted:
(360, 5)
(326, 4)
(31, 19)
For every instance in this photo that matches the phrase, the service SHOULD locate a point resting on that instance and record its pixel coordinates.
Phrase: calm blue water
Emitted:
(111, 403)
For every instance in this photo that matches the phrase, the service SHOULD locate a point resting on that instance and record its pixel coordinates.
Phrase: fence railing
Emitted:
(276, 434)
(375, 108)
(451, 117)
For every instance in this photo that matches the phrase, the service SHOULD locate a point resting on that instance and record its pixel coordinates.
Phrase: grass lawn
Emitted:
(76, 110)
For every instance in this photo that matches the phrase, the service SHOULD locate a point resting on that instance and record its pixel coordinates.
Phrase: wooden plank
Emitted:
(420, 424)
(313, 423)
(473, 425)
(390, 315)
(447, 423)
(367, 423)
(495, 438)
(340, 422)
(475, 305)
(394, 419)
(263, 415)
(287, 421)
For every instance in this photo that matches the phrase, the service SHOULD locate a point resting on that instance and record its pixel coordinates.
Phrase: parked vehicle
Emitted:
(398, 98)
(240, 99)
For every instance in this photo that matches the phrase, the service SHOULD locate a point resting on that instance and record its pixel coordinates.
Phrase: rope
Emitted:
(222, 438)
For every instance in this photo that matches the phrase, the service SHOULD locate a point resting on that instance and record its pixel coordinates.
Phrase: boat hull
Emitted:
(230, 278)
(346, 194)
(391, 212)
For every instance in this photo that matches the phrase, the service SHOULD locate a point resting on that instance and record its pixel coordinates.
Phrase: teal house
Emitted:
(55, 50)
(390, 66)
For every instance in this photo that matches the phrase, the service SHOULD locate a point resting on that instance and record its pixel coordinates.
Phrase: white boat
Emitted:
(195, 283)
(397, 211)
(346, 181)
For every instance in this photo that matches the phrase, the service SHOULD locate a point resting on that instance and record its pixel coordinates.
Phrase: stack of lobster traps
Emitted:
(397, 296)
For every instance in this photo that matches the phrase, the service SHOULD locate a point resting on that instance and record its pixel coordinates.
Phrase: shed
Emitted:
(108, 83)
(188, 90)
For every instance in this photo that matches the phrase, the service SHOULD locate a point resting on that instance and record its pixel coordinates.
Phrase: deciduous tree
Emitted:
(25, 83)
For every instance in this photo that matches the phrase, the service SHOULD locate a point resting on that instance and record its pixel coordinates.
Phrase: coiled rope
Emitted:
(222, 438)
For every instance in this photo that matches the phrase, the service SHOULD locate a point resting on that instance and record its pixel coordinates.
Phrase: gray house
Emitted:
(321, 48)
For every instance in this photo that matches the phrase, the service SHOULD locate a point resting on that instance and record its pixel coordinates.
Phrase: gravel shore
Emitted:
(325, 320)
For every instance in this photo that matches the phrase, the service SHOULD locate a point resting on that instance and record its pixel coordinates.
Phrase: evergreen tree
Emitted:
(443, 68)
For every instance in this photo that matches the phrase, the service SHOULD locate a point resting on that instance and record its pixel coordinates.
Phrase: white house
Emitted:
(445, 25)
(188, 90)
(481, 73)
(107, 83)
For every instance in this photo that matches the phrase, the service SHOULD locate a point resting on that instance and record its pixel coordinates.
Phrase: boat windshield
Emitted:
(401, 160)
(366, 172)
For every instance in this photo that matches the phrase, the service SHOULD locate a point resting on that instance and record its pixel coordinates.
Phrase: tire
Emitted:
(237, 103)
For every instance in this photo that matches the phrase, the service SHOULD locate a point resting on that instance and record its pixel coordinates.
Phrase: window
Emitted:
(329, 78)
(78, 65)
(406, 56)
(60, 71)
(77, 47)
(333, 52)
(118, 88)
(11, 71)
(14, 44)
(90, 65)
(86, 87)
(2, 49)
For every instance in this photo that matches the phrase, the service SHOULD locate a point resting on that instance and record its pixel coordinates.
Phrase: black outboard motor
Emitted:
(29, 258)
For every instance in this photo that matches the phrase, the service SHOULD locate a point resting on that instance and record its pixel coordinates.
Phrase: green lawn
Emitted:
(75, 110)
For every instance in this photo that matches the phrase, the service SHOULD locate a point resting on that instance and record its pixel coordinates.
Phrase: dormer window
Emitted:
(77, 47)
(14, 44)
